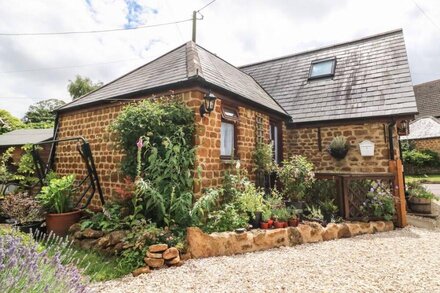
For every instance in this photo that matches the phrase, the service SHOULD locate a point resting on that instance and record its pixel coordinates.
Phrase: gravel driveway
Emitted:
(406, 260)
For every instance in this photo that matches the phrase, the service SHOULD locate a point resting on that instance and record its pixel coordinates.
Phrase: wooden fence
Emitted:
(351, 190)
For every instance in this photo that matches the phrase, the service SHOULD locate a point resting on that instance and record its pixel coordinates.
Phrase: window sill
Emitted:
(229, 160)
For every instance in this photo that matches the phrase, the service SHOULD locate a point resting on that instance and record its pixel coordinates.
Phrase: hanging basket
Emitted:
(338, 154)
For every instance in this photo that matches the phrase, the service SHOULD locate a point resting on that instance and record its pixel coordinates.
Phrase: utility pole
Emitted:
(194, 26)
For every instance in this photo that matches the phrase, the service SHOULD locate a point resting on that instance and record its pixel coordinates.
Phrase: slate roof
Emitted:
(180, 65)
(372, 78)
(428, 98)
(24, 136)
(426, 127)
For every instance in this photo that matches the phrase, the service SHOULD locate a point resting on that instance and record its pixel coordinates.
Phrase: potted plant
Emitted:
(251, 200)
(264, 163)
(420, 198)
(25, 211)
(57, 199)
(266, 222)
(281, 216)
(296, 175)
(338, 147)
(293, 219)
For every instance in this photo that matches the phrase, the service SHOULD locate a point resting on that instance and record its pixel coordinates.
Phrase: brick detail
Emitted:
(432, 144)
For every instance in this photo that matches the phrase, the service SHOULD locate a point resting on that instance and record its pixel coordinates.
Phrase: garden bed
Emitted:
(201, 245)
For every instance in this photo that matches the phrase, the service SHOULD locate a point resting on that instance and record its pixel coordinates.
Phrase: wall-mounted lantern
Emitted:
(402, 127)
(208, 104)
(367, 148)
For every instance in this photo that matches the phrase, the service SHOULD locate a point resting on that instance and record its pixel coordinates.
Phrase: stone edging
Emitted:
(202, 245)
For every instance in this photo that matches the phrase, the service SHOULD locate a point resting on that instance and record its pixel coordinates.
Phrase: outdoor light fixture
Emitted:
(208, 104)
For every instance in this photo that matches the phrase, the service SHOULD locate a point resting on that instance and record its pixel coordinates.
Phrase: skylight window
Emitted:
(322, 68)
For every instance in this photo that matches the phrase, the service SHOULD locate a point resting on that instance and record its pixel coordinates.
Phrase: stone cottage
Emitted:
(360, 89)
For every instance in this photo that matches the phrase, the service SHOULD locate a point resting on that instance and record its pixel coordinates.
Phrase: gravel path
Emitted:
(406, 260)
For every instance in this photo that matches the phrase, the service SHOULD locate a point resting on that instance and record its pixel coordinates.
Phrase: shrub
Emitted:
(24, 267)
(22, 207)
(155, 120)
(228, 218)
(378, 204)
(263, 158)
(421, 158)
(296, 175)
(157, 139)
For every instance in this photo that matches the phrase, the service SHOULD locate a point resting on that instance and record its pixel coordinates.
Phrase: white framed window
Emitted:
(228, 133)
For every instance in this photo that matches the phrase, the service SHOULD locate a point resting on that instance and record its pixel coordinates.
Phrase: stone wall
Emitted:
(202, 245)
(92, 123)
(305, 141)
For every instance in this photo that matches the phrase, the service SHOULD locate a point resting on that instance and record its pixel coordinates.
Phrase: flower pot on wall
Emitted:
(338, 154)
(255, 219)
(59, 223)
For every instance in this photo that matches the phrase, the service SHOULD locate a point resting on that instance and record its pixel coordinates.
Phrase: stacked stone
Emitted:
(158, 256)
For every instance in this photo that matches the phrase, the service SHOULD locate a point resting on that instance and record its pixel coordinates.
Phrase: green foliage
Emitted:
(5, 174)
(315, 213)
(160, 123)
(421, 158)
(81, 86)
(41, 114)
(417, 190)
(281, 214)
(26, 168)
(378, 204)
(296, 175)
(263, 158)
(157, 138)
(57, 196)
(228, 218)
(338, 143)
(251, 199)
(322, 193)
(205, 204)
(8, 122)
(109, 220)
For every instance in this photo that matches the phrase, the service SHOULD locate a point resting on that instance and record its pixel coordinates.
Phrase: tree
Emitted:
(81, 86)
(9, 122)
(40, 114)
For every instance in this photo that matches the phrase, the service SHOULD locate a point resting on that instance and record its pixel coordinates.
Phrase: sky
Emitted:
(38, 67)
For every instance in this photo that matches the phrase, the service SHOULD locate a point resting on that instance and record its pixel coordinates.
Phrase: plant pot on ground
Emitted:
(23, 210)
(420, 198)
(57, 198)
(338, 147)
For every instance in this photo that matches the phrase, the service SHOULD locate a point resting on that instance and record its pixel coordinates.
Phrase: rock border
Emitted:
(201, 245)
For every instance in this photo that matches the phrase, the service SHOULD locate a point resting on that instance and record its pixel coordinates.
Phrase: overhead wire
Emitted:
(95, 31)
(426, 15)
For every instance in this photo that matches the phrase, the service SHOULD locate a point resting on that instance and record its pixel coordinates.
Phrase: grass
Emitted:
(99, 267)
(435, 179)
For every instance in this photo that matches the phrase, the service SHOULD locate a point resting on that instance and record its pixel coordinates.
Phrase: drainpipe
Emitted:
(391, 140)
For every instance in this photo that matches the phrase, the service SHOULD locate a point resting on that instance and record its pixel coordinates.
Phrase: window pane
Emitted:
(227, 139)
(322, 68)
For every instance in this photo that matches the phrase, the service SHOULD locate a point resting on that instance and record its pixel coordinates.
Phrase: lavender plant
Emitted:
(25, 266)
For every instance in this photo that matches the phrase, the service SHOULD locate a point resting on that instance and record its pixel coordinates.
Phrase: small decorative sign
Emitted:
(367, 148)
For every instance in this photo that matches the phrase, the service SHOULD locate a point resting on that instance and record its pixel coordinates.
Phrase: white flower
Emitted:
(237, 165)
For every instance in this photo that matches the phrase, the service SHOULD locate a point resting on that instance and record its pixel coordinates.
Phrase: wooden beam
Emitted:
(396, 167)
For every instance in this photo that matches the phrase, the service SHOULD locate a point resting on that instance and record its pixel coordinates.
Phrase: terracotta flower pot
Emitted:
(59, 224)
(270, 222)
(293, 222)
(278, 224)
(264, 225)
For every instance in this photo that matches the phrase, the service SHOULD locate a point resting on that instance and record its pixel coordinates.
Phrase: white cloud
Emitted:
(239, 31)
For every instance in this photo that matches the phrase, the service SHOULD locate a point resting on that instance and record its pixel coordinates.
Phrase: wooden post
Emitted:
(396, 168)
